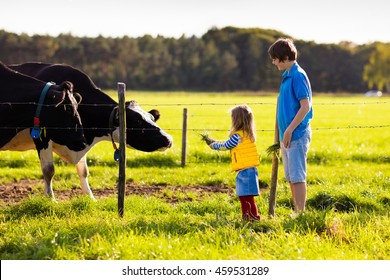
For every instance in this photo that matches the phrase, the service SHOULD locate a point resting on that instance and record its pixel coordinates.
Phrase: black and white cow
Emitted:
(98, 113)
(34, 115)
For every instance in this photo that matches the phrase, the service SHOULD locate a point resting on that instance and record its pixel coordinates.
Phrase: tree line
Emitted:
(227, 59)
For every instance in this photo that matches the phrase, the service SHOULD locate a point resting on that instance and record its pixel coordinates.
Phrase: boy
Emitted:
(294, 112)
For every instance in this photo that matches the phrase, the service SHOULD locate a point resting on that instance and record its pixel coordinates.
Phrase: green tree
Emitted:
(377, 71)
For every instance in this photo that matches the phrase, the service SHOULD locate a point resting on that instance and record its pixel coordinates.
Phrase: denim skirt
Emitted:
(247, 182)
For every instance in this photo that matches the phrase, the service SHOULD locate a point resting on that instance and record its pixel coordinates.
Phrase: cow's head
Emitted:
(60, 120)
(142, 132)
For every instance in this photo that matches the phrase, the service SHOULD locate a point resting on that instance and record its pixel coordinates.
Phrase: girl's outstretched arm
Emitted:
(229, 144)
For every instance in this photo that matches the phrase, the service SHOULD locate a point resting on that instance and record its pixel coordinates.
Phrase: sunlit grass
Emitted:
(348, 201)
(207, 229)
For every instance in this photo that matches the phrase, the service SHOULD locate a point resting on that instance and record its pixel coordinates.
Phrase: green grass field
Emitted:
(348, 201)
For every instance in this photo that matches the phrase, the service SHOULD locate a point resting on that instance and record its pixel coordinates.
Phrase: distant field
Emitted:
(348, 195)
(345, 130)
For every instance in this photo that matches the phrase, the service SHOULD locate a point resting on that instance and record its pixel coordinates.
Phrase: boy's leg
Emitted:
(293, 196)
(295, 165)
(298, 191)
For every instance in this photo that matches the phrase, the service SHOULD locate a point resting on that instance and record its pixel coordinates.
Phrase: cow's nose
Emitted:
(170, 141)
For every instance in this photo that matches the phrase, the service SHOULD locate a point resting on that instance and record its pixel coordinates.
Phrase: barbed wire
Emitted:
(198, 129)
(225, 159)
(351, 127)
(272, 130)
(352, 103)
(197, 104)
(175, 162)
(248, 103)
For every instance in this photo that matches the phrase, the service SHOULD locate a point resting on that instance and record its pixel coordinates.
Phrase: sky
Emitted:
(329, 21)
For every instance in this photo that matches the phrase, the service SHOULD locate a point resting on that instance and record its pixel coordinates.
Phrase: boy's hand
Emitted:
(287, 138)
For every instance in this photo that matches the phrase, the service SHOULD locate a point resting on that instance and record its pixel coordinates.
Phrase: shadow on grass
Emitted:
(342, 203)
(308, 222)
(149, 161)
(385, 200)
(371, 158)
(41, 206)
(16, 163)
(37, 249)
(153, 160)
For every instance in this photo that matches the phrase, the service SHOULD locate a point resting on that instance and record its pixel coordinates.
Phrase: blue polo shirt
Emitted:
(295, 86)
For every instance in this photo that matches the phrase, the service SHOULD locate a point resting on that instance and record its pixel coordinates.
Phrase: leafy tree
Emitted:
(224, 59)
(377, 71)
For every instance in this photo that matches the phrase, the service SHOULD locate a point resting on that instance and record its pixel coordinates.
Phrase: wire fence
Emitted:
(199, 104)
(216, 160)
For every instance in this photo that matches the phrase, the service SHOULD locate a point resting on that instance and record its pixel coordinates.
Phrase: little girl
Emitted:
(244, 158)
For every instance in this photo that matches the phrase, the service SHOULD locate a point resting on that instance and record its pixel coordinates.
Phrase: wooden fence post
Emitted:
(274, 174)
(184, 139)
(122, 147)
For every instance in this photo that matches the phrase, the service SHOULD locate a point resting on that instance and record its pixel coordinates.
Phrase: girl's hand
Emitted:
(209, 141)
(206, 138)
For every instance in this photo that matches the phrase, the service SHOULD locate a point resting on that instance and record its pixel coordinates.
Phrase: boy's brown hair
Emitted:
(283, 49)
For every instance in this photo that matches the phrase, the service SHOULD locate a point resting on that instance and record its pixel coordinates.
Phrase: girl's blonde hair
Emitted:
(242, 119)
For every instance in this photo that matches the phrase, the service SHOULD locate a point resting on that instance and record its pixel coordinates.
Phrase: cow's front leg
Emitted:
(47, 167)
(83, 172)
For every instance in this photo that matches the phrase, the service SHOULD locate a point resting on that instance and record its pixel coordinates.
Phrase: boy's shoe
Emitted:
(296, 215)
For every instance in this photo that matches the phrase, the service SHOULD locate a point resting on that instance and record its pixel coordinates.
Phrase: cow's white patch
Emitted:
(115, 137)
(74, 157)
(47, 167)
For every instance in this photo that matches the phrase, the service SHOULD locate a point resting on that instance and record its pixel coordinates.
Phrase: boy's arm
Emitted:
(227, 145)
(303, 110)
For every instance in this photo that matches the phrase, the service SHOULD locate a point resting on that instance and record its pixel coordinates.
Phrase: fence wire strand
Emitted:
(197, 130)
(198, 104)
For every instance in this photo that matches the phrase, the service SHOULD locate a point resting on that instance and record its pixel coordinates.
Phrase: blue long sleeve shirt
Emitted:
(229, 144)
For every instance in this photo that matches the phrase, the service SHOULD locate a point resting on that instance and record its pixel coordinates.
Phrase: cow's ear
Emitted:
(59, 95)
(56, 95)
(155, 113)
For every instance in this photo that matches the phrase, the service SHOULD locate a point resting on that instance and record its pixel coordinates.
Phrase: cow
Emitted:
(35, 114)
(98, 113)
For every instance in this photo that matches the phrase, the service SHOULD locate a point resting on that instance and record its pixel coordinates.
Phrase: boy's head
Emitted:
(283, 49)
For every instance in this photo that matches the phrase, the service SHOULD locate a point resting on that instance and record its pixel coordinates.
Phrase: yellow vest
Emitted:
(244, 155)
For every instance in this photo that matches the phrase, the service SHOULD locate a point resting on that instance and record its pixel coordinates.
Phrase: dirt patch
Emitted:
(12, 193)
